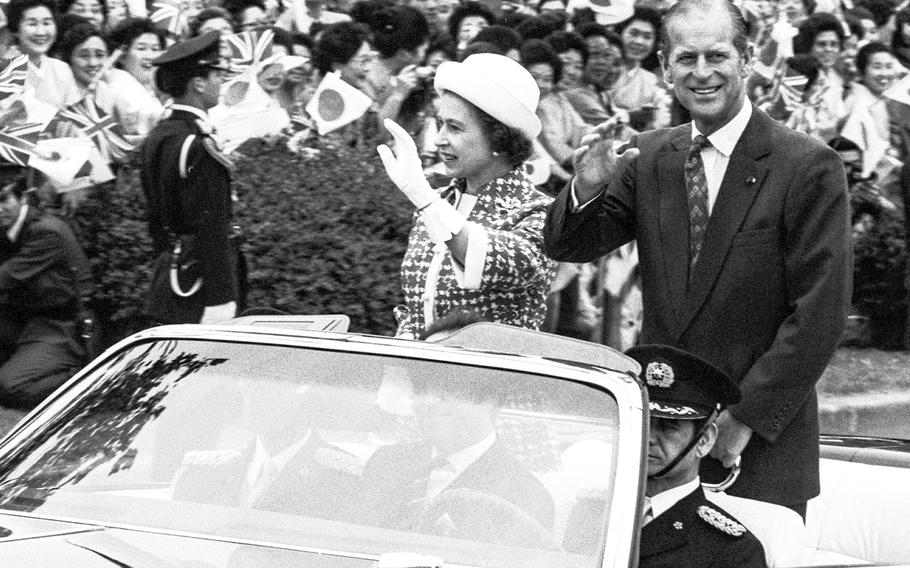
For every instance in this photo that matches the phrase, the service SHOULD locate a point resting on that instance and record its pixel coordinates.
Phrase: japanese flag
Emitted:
(336, 103)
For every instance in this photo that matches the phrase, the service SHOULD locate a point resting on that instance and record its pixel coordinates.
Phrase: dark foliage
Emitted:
(324, 232)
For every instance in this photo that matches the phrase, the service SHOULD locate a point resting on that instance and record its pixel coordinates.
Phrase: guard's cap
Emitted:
(200, 51)
(681, 385)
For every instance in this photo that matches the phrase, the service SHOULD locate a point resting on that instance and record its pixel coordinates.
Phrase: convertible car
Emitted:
(293, 442)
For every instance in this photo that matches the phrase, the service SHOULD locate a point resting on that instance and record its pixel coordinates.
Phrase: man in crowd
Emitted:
(187, 182)
(45, 281)
(680, 527)
(744, 246)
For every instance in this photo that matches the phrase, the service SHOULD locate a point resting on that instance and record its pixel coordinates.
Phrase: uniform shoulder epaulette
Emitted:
(720, 521)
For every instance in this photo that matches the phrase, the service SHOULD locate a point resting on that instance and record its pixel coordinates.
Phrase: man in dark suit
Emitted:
(187, 183)
(45, 282)
(680, 527)
(744, 246)
(460, 480)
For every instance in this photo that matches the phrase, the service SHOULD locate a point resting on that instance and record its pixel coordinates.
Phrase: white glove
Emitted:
(219, 314)
(404, 167)
(405, 170)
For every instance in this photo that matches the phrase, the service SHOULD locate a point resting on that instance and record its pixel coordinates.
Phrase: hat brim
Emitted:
(678, 411)
(486, 94)
(610, 15)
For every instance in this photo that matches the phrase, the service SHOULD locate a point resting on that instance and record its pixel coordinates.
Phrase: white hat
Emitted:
(496, 85)
(609, 12)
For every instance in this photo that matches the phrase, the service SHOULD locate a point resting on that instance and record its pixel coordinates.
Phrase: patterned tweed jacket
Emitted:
(505, 277)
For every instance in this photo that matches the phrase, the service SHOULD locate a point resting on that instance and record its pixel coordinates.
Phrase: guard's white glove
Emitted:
(219, 314)
(405, 170)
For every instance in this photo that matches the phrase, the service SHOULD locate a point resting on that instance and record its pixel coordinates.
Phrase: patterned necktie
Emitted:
(697, 192)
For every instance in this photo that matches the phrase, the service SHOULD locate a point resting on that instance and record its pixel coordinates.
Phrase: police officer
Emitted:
(45, 284)
(680, 526)
(186, 180)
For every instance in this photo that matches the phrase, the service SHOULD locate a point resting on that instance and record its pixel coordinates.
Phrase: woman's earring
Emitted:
(496, 154)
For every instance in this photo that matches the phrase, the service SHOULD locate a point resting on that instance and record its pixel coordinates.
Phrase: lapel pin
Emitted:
(678, 525)
(750, 180)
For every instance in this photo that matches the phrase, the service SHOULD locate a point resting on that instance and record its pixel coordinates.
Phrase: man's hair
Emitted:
(16, 8)
(866, 52)
(737, 22)
(173, 80)
(338, 43)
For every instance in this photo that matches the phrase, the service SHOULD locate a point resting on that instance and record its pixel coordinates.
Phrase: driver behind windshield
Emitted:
(459, 480)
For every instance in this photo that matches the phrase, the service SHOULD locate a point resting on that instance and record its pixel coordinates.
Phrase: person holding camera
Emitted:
(45, 281)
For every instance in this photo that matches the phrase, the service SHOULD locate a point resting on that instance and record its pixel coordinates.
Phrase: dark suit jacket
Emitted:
(188, 193)
(680, 537)
(308, 485)
(769, 294)
(390, 474)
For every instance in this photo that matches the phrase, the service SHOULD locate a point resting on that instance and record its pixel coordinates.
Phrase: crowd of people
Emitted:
(695, 151)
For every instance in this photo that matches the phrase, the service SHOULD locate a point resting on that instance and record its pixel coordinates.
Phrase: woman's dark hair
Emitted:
(582, 16)
(338, 43)
(506, 140)
(592, 29)
(442, 42)
(536, 51)
(75, 36)
(16, 8)
(398, 27)
(644, 14)
(866, 52)
(504, 38)
(126, 32)
(881, 10)
(211, 13)
(812, 27)
(567, 41)
(469, 8)
(539, 27)
(63, 6)
(898, 41)
(363, 11)
(283, 38)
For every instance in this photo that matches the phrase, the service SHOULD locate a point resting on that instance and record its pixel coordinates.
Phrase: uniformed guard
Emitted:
(680, 526)
(186, 180)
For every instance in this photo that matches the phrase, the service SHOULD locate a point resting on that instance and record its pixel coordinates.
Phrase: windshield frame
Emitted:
(620, 541)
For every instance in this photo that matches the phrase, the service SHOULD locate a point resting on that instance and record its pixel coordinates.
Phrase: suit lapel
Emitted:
(742, 181)
(673, 212)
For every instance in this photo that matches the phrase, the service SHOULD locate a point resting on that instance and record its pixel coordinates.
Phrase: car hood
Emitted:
(37, 542)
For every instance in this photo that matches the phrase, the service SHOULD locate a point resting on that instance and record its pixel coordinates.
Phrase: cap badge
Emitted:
(720, 521)
(659, 374)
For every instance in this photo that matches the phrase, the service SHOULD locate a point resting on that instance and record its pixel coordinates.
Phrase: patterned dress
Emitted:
(506, 275)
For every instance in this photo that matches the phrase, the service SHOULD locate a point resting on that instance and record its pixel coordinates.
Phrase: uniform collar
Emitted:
(664, 501)
(201, 116)
(726, 137)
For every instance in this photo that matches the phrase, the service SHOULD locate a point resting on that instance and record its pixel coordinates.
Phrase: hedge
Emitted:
(325, 232)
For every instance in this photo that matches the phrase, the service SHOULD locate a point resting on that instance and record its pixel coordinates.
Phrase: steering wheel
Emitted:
(476, 515)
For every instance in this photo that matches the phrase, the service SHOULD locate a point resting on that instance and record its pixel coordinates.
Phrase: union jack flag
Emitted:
(169, 16)
(12, 77)
(17, 143)
(101, 127)
(250, 49)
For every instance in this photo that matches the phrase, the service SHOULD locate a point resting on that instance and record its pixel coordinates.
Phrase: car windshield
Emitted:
(330, 450)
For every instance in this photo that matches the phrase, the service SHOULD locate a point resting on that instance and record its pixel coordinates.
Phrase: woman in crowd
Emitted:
(563, 128)
(95, 11)
(299, 84)
(637, 87)
(400, 36)
(467, 20)
(115, 91)
(209, 19)
(344, 48)
(573, 52)
(33, 24)
(900, 40)
(140, 42)
(822, 36)
(482, 252)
